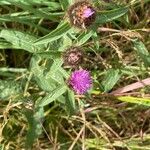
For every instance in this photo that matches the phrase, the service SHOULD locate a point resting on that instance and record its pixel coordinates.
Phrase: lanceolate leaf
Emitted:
(70, 102)
(107, 16)
(50, 76)
(83, 37)
(35, 125)
(66, 3)
(27, 6)
(9, 88)
(112, 76)
(142, 52)
(52, 96)
(20, 40)
(136, 100)
(54, 35)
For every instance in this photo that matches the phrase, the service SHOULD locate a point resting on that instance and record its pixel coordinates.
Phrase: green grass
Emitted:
(38, 110)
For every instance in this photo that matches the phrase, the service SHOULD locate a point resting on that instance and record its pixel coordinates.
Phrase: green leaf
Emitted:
(83, 37)
(107, 16)
(65, 43)
(142, 52)
(23, 20)
(70, 102)
(35, 125)
(34, 2)
(52, 6)
(136, 100)
(27, 5)
(111, 78)
(54, 35)
(64, 73)
(3, 2)
(6, 45)
(49, 54)
(66, 3)
(56, 65)
(20, 40)
(54, 71)
(46, 84)
(9, 88)
(95, 38)
(52, 96)
(40, 75)
(49, 75)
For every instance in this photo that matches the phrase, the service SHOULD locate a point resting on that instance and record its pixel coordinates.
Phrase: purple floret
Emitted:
(80, 81)
(88, 12)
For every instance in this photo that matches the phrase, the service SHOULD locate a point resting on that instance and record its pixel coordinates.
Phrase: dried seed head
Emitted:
(82, 14)
(73, 56)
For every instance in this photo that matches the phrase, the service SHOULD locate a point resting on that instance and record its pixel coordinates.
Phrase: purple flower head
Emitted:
(88, 12)
(80, 81)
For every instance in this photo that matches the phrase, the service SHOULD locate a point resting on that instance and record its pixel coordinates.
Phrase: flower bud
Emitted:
(73, 57)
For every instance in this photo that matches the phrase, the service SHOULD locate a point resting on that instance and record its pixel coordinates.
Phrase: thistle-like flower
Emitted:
(80, 81)
(73, 56)
(82, 14)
